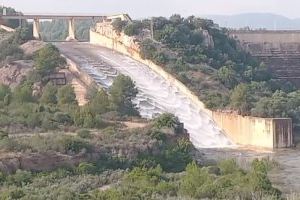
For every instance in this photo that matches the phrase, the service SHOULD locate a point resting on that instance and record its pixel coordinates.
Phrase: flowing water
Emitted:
(157, 96)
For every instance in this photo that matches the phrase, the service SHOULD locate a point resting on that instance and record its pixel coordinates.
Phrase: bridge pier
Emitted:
(36, 29)
(71, 35)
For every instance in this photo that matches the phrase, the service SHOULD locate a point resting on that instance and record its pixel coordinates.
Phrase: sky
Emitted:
(147, 8)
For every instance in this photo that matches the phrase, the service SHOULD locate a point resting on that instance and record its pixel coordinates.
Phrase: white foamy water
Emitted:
(156, 95)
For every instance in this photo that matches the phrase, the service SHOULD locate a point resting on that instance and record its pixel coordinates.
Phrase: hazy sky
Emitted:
(146, 8)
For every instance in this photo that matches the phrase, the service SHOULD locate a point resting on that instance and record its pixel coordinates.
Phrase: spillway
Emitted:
(155, 94)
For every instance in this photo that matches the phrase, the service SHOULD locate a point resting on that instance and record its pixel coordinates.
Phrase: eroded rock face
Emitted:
(30, 47)
(42, 161)
(208, 39)
(14, 73)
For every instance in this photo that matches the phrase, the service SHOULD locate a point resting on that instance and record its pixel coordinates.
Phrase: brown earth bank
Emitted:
(11, 162)
(14, 72)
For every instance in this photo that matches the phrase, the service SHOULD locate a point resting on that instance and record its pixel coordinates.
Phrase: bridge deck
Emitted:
(53, 16)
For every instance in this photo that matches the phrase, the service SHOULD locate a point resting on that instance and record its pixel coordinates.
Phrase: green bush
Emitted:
(84, 133)
(86, 168)
(166, 120)
(4, 91)
(75, 145)
(20, 178)
(49, 94)
(3, 135)
(66, 95)
(23, 93)
(62, 118)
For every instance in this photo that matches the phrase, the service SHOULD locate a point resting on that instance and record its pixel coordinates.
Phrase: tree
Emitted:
(133, 28)
(122, 93)
(197, 182)
(47, 59)
(23, 93)
(4, 91)
(66, 95)
(241, 98)
(274, 106)
(99, 104)
(49, 94)
(227, 76)
(259, 181)
(119, 25)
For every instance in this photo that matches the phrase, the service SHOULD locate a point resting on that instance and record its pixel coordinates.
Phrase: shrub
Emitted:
(166, 120)
(62, 118)
(75, 145)
(66, 95)
(84, 133)
(158, 135)
(86, 168)
(20, 178)
(4, 91)
(3, 135)
(23, 93)
(49, 94)
(228, 167)
(48, 123)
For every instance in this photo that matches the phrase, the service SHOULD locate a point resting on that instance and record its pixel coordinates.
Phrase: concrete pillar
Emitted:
(36, 29)
(71, 35)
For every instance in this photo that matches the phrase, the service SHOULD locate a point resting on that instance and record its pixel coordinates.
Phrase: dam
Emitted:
(279, 50)
(156, 95)
(110, 53)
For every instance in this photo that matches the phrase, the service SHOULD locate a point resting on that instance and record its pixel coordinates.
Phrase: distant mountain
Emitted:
(256, 21)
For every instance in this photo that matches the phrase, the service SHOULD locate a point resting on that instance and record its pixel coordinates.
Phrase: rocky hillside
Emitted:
(211, 63)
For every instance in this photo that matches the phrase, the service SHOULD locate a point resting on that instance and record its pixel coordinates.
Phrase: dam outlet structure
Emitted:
(156, 95)
(110, 53)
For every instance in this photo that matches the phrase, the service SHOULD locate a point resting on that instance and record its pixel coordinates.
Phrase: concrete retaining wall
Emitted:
(252, 131)
(274, 37)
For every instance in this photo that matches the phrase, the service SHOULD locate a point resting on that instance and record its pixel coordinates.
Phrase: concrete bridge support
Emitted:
(36, 29)
(71, 35)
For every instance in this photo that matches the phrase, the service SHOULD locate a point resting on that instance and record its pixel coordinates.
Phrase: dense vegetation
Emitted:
(225, 181)
(213, 65)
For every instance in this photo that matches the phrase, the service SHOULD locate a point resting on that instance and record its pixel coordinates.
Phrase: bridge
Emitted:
(279, 50)
(71, 21)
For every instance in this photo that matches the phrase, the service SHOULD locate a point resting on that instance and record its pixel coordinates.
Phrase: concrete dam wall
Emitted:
(253, 131)
(269, 133)
(279, 50)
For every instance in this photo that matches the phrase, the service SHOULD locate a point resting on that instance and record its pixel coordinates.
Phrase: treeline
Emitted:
(219, 71)
(224, 181)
